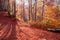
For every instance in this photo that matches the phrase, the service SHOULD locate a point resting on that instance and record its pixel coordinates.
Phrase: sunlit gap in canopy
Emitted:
(20, 2)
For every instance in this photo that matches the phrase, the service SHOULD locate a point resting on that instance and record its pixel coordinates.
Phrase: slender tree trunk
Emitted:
(8, 8)
(14, 8)
(30, 9)
(43, 9)
(35, 8)
(24, 16)
(1, 4)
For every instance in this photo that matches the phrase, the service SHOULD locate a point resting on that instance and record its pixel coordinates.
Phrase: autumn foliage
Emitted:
(50, 17)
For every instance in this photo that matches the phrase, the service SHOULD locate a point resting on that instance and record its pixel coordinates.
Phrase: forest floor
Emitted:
(12, 29)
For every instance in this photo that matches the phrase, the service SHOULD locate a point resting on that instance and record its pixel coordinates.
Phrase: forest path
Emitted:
(11, 29)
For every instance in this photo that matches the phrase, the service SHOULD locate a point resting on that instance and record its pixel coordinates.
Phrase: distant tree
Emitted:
(0, 4)
(30, 9)
(43, 9)
(8, 8)
(12, 9)
(23, 13)
(35, 8)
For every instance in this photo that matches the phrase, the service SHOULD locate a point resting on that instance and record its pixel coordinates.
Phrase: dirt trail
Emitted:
(11, 29)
